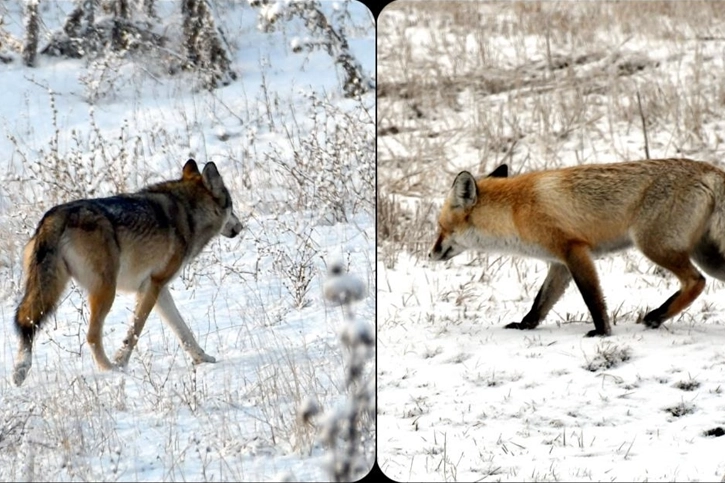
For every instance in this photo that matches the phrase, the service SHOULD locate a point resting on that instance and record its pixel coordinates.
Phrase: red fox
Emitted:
(672, 210)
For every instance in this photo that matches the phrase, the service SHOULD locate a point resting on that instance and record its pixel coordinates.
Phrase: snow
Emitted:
(255, 302)
(460, 398)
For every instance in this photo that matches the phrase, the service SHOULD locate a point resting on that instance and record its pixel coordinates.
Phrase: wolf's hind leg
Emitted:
(23, 361)
(170, 314)
(100, 301)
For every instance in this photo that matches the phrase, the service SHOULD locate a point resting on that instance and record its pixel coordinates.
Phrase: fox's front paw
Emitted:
(597, 333)
(519, 325)
(653, 319)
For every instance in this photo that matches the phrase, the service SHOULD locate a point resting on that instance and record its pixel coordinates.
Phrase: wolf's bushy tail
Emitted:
(46, 276)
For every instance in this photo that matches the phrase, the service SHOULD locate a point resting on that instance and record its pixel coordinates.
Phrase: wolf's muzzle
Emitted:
(232, 228)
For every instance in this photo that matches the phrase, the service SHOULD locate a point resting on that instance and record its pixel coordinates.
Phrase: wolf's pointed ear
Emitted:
(500, 172)
(465, 191)
(190, 169)
(212, 179)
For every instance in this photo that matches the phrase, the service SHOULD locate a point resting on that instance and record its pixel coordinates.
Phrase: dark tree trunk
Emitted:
(149, 7)
(128, 26)
(121, 16)
(192, 28)
(203, 46)
(32, 22)
(92, 44)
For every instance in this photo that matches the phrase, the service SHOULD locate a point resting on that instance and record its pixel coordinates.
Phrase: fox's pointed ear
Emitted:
(500, 172)
(190, 169)
(465, 191)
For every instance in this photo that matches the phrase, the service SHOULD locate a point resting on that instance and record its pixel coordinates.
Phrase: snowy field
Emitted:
(471, 85)
(298, 158)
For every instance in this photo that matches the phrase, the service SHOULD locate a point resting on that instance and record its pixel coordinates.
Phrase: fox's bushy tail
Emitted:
(46, 276)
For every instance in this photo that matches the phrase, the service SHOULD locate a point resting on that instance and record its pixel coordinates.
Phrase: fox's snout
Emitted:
(441, 251)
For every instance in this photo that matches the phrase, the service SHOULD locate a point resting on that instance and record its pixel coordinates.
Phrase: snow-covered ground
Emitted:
(299, 161)
(470, 85)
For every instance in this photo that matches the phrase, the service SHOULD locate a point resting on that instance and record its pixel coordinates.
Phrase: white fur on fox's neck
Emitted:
(473, 239)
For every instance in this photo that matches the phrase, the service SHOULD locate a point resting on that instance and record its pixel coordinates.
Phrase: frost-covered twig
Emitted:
(343, 289)
(8, 44)
(348, 431)
(324, 35)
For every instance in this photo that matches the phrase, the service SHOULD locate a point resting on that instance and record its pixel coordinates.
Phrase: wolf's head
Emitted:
(214, 183)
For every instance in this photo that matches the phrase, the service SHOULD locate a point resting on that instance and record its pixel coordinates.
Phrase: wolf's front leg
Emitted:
(170, 314)
(145, 301)
(122, 356)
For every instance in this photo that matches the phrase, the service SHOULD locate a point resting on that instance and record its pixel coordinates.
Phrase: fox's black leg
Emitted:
(550, 292)
(585, 277)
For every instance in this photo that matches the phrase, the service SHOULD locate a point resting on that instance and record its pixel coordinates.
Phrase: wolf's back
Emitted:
(45, 274)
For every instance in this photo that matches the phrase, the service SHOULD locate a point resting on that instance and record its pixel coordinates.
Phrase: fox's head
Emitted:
(453, 224)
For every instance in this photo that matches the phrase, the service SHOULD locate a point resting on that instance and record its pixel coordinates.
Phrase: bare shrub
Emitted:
(332, 167)
(81, 171)
(348, 431)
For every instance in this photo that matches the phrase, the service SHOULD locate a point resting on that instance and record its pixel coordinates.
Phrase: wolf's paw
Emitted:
(20, 373)
(22, 367)
(118, 366)
(203, 357)
(120, 359)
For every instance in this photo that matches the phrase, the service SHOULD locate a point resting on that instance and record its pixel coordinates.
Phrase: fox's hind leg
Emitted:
(669, 241)
(677, 231)
(170, 314)
(692, 284)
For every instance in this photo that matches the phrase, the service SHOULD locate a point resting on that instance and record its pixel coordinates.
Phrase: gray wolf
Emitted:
(135, 242)
(672, 210)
